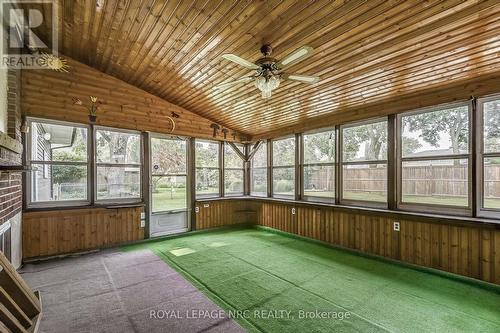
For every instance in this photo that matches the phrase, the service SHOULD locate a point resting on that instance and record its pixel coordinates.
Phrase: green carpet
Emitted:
(259, 271)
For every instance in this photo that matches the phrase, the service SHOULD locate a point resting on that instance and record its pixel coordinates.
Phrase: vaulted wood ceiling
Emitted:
(365, 51)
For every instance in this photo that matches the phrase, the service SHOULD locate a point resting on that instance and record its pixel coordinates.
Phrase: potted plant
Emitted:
(92, 108)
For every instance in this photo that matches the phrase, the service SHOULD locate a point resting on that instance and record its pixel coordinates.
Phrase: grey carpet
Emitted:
(114, 291)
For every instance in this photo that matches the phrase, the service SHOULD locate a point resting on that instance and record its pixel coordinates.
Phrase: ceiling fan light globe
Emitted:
(267, 84)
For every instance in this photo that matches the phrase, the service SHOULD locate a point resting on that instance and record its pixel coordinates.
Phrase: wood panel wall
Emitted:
(468, 249)
(49, 94)
(49, 233)
(219, 213)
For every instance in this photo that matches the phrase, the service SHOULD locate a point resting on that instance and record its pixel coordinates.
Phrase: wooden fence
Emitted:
(449, 180)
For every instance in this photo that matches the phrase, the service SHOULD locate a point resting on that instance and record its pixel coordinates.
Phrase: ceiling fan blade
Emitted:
(232, 83)
(302, 78)
(296, 56)
(240, 61)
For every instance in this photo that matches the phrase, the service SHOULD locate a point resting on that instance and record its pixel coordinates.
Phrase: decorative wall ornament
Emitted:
(91, 108)
(215, 127)
(225, 131)
(53, 62)
(173, 124)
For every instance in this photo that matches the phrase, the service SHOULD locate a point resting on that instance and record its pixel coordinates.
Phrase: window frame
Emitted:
(480, 156)
(426, 207)
(273, 167)
(264, 145)
(342, 163)
(220, 163)
(242, 169)
(124, 165)
(29, 178)
(303, 165)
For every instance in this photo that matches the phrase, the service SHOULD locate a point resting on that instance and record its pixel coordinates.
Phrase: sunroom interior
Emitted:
(250, 166)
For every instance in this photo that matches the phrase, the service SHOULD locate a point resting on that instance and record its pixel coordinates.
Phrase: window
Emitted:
(259, 172)
(489, 159)
(434, 164)
(319, 166)
(207, 168)
(168, 174)
(233, 170)
(364, 162)
(118, 165)
(283, 168)
(58, 156)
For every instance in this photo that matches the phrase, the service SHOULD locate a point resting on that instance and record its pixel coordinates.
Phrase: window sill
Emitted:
(96, 206)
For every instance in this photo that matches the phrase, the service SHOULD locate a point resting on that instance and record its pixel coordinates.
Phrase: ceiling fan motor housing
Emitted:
(266, 50)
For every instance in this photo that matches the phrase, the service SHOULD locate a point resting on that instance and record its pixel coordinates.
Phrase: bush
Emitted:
(283, 186)
(236, 186)
(259, 187)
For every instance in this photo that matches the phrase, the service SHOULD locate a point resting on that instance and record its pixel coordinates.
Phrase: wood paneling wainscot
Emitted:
(219, 213)
(462, 248)
(49, 233)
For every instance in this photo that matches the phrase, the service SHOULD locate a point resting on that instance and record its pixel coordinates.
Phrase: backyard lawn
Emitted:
(169, 199)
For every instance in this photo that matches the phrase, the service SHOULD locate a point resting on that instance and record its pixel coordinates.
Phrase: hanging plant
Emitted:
(91, 108)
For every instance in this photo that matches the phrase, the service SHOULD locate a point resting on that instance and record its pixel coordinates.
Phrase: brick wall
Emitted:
(11, 183)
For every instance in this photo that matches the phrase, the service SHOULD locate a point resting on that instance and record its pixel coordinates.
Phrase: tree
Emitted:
(374, 137)
(206, 157)
(76, 153)
(119, 148)
(284, 152)
(319, 148)
(492, 126)
(409, 145)
(432, 125)
(168, 157)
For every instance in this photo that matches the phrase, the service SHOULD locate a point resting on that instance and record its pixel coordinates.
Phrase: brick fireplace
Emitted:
(10, 155)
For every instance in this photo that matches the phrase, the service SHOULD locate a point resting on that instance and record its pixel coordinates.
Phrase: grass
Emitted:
(257, 270)
(164, 199)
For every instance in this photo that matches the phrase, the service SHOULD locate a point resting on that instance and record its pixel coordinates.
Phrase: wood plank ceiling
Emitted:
(365, 51)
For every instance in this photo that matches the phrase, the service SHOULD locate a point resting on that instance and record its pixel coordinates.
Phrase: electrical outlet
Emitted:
(197, 209)
(396, 226)
(206, 205)
(143, 223)
(143, 215)
(293, 211)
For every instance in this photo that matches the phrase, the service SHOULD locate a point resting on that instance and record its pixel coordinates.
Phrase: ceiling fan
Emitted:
(269, 71)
